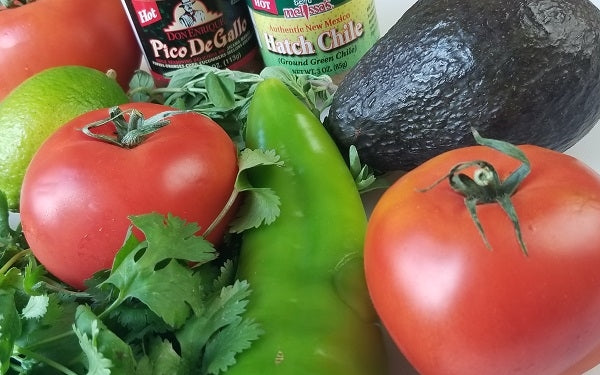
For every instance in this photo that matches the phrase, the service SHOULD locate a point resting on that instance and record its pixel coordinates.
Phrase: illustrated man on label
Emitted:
(190, 16)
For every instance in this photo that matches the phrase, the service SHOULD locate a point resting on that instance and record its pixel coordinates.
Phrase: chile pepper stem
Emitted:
(486, 187)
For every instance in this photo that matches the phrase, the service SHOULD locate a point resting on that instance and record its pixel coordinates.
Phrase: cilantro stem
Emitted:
(48, 340)
(14, 259)
(46, 360)
(53, 285)
(112, 306)
(230, 202)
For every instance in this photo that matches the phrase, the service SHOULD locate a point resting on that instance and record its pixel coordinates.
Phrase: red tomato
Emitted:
(48, 33)
(78, 191)
(454, 306)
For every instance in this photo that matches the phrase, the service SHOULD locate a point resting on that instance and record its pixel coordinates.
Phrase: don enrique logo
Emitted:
(191, 13)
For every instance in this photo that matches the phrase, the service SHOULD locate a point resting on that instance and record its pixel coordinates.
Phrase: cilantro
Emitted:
(36, 307)
(151, 313)
(11, 240)
(260, 205)
(161, 358)
(105, 352)
(10, 327)
(170, 290)
(221, 320)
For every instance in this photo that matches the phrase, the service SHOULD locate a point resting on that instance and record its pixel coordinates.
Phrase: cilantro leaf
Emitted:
(162, 359)
(226, 275)
(152, 273)
(33, 276)
(220, 351)
(11, 239)
(98, 364)
(11, 279)
(131, 318)
(49, 338)
(261, 205)
(139, 321)
(224, 309)
(36, 307)
(105, 352)
(253, 158)
(10, 328)
(168, 292)
(172, 238)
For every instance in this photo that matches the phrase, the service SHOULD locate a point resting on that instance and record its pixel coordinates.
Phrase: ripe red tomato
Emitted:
(78, 191)
(48, 33)
(456, 307)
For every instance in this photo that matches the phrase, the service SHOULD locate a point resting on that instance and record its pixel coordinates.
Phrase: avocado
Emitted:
(524, 71)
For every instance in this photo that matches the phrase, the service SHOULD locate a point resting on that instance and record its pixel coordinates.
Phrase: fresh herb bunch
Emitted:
(224, 95)
(151, 313)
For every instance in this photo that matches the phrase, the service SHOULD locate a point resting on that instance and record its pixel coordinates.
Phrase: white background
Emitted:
(587, 150)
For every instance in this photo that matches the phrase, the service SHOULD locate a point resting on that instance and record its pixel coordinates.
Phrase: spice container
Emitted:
(314, 36)
(177, 34)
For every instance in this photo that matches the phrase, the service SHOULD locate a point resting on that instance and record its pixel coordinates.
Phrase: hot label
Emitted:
(265, 5)
(147, 12)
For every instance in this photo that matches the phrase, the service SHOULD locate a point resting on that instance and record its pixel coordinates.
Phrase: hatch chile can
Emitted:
(314, 36)
(177, 34)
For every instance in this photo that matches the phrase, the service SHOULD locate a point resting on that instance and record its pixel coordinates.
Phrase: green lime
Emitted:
(41, 104)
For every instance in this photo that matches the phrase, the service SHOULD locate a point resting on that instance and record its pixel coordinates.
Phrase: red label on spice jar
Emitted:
(147, 12)
(265, 5)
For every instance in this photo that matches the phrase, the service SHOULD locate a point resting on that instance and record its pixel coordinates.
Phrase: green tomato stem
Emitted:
(130, 132)
(486, 187)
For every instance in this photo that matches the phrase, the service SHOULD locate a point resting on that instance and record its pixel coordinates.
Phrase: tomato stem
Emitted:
(7, 4)
(486, 187)
(132, 131)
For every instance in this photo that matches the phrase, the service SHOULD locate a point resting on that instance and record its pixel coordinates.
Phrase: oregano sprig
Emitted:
(224, 95)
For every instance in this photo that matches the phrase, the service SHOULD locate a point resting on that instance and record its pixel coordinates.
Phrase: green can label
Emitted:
(314, 36)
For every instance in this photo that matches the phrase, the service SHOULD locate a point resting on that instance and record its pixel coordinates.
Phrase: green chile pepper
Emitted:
(306, 268)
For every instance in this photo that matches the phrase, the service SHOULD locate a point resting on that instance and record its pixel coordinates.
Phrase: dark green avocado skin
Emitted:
(524, 71)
